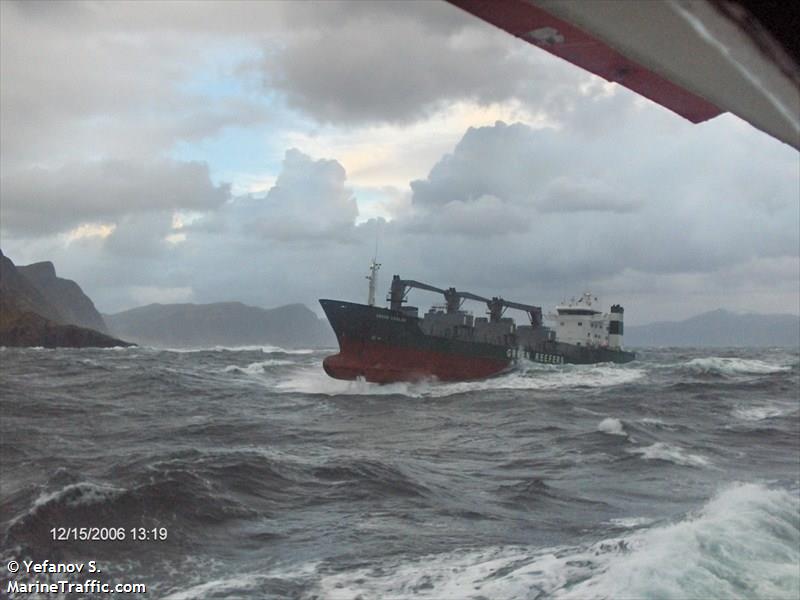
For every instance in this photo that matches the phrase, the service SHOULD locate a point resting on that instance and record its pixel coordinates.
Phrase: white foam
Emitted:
(257, 368)
(745, 543)
(73, 495)
(313, 380)
(631, 522)
(759, 413)
(257, 348)
(217, 588)
(78, 494)
(611, 426)
(734, 366)
(233, 586)
(670, 453)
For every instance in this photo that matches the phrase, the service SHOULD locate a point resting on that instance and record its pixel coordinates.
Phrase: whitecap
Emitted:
(631, 522)
(73, 495)
(217, 588)
(759, 413)
(77, 494)
(734, 366)
(313, 380)
(744, 543)
(266, 349)
(257, 368)
(611, 426)
(670, 453)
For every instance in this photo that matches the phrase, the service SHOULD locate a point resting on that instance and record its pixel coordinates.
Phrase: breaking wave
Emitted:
(744, 543)
(670, 453)
(611, 426)
(734, 366)
(257, 368)
(760, 413)
(258, 348)
(313, 380)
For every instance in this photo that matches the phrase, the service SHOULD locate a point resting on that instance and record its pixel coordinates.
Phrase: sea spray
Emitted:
(744, 543)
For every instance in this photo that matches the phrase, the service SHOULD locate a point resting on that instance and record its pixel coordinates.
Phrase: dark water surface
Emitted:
(676, 476)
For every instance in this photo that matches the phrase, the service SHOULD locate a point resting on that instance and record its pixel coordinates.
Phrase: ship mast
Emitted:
(373, 279)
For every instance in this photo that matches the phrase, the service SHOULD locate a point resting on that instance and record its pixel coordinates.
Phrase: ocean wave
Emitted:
(670, 453)
(366, 479)
(744, 543)
(166, 495)
(716, 365)
(218, 588)
(611, 426)
(313, 380)
(278, 582)
(760, 413)
(265, 349)
(73, 498)
(75, 495)
(534, 492)
(631, 522)
(257, 368)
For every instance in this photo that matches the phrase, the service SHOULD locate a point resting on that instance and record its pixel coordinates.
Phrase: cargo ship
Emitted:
(392, 344)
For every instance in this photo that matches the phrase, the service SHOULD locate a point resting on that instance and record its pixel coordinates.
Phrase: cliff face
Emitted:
(221, 324)
(27, 318)
(27, 329)
(20, 294)
(66, 295)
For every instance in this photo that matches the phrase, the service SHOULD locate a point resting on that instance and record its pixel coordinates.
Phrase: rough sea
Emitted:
(676, 476)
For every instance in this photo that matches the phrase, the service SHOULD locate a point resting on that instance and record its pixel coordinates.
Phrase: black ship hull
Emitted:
(383, 346)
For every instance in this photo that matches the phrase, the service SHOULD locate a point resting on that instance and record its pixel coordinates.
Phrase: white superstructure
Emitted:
(581, 322)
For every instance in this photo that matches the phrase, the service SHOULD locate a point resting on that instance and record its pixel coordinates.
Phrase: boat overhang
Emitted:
(698, 59)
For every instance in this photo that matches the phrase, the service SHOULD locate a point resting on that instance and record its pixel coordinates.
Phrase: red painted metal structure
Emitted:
(563, 39)
(386, 363)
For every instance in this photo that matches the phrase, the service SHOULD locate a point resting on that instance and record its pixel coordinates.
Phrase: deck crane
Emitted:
(454, 299)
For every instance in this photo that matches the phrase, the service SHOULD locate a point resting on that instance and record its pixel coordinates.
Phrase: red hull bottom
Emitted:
(380, 363)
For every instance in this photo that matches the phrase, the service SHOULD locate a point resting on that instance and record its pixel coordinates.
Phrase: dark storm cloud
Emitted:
(140, 236)
(689, 236)
(616, 194)
(101, 79)
(483, 217)
(373, 62)
(39, 201)
(539, 169)
(373, 70)
(565, 194)
(593, 208)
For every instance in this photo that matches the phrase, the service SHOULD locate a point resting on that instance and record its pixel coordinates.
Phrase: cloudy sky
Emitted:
(200, 152)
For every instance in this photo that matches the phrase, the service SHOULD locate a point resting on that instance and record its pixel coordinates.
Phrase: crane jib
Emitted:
(454, 299)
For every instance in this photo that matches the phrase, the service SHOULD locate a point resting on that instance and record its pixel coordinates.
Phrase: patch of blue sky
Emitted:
(236, 155)
(372, 203)
(227, 70)
(247, 154)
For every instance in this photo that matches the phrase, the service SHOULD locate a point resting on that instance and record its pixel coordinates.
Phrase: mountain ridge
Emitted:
(229, 323)
(719, 328)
